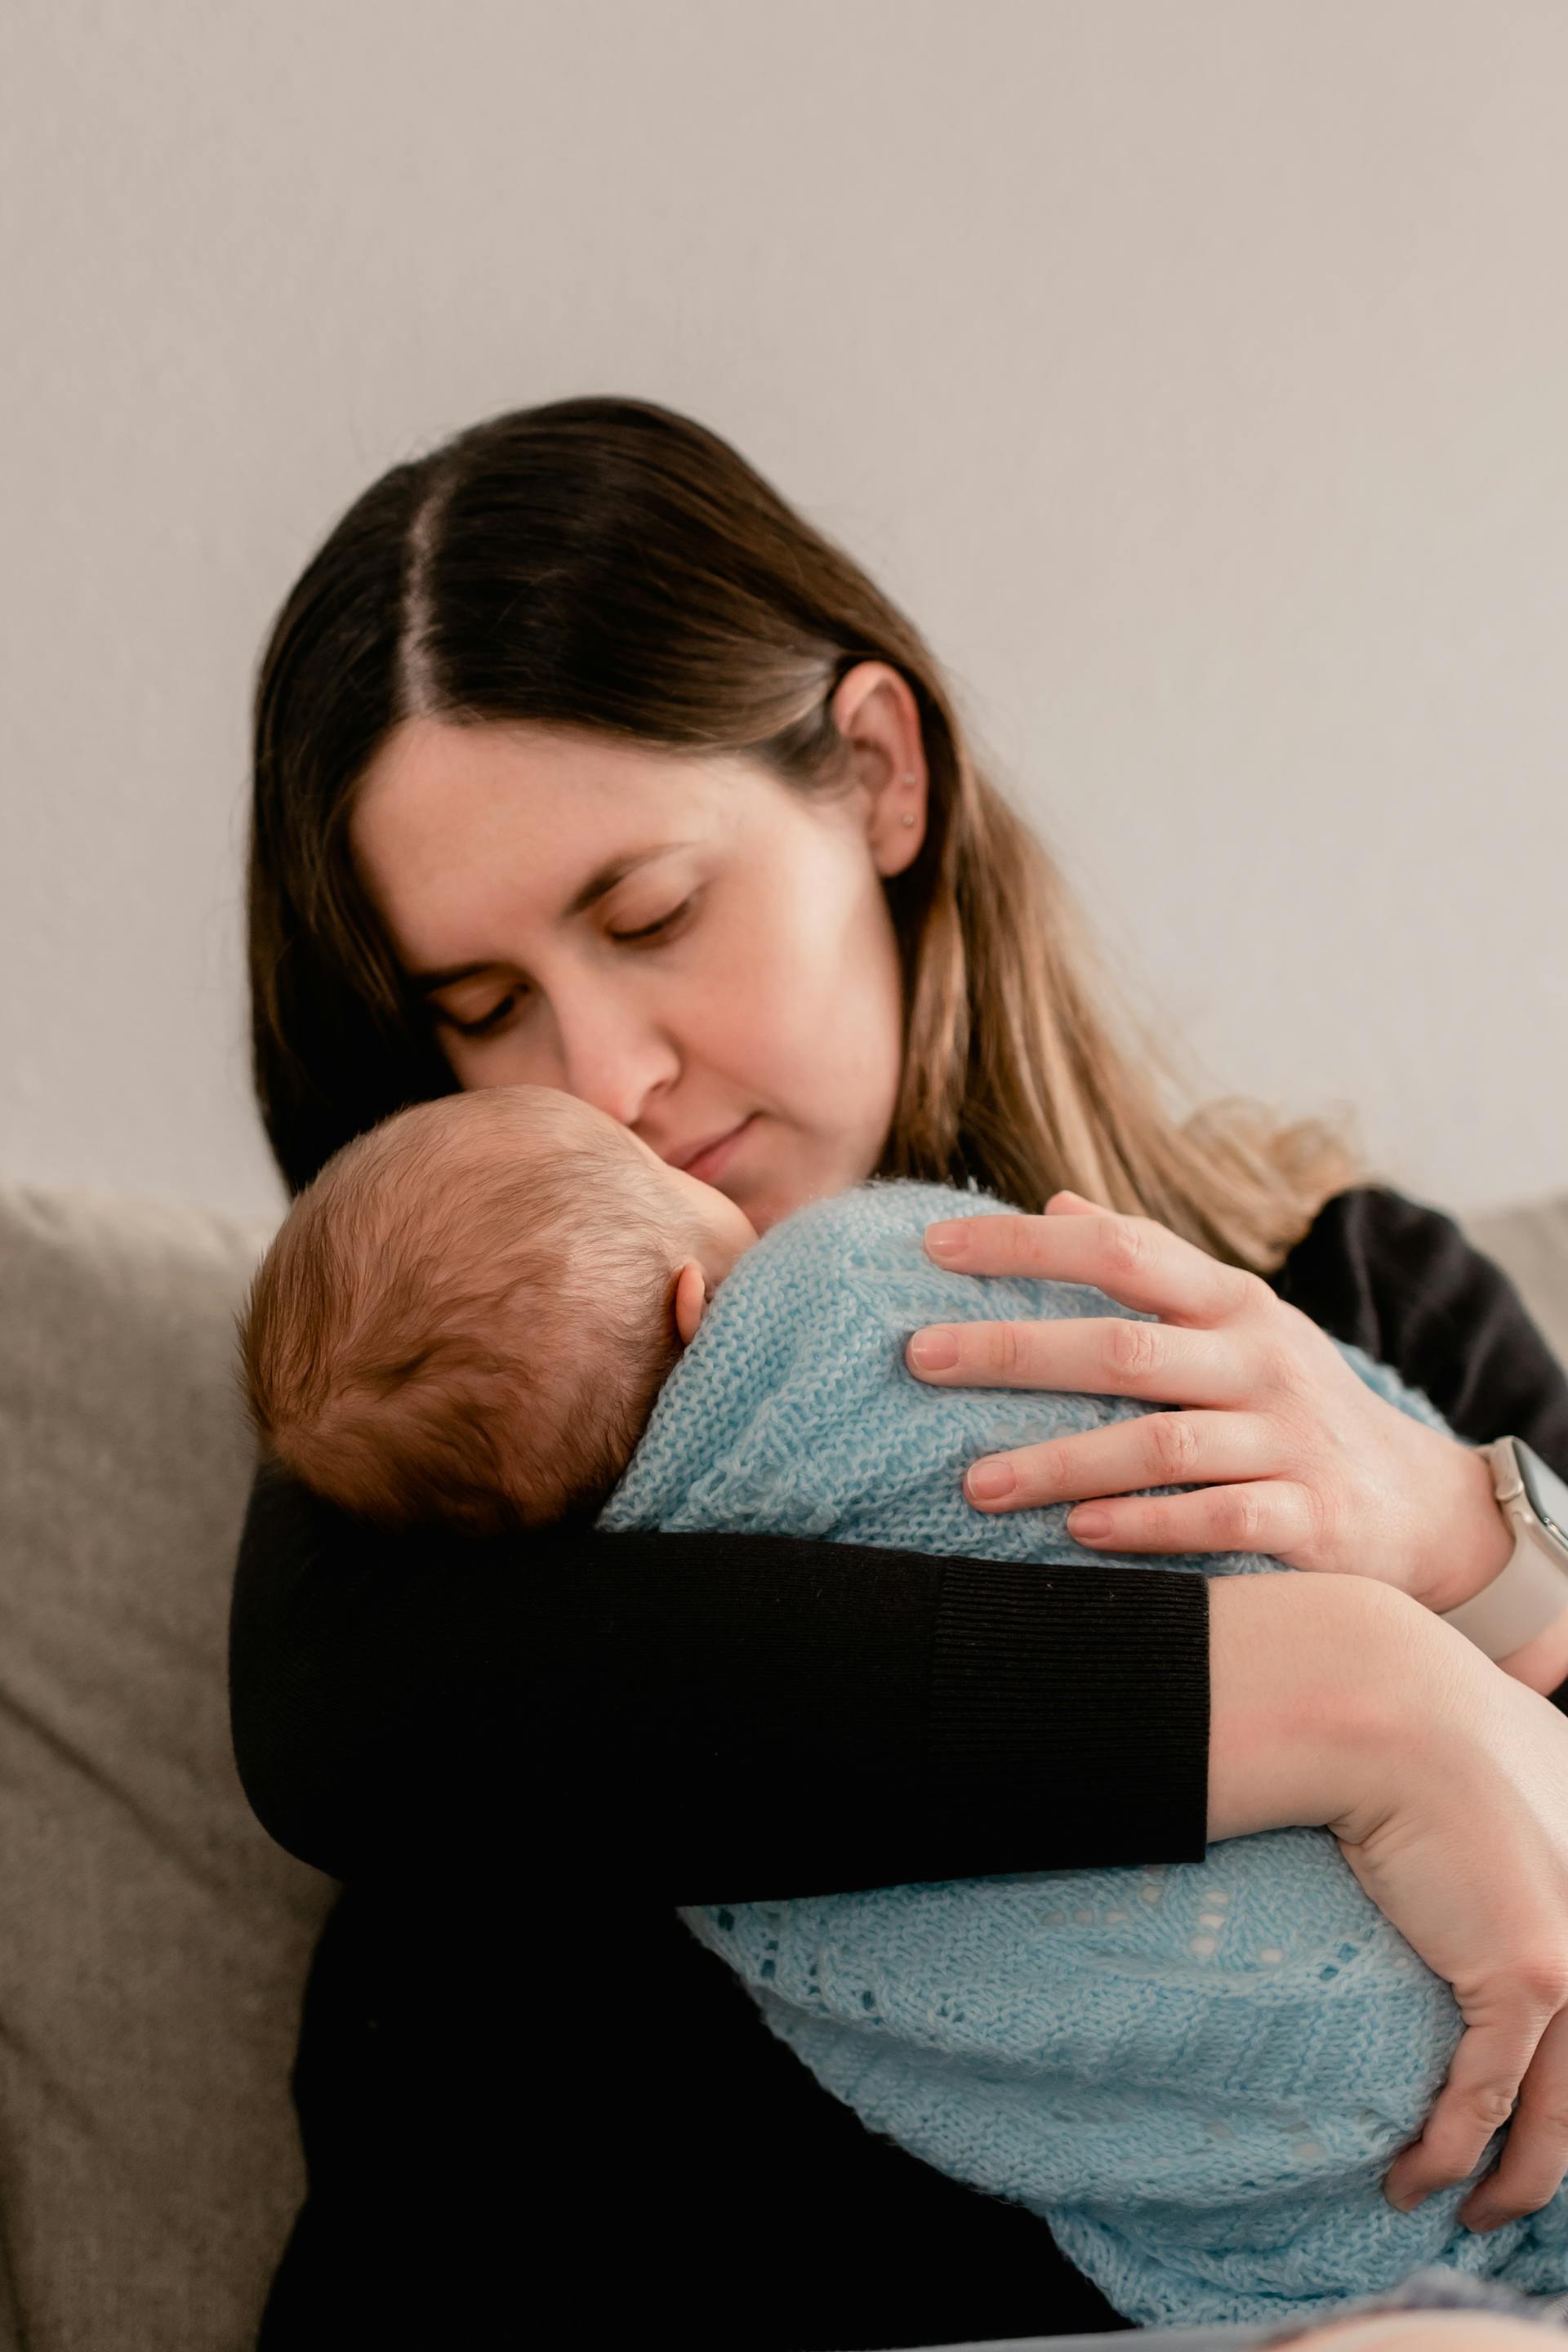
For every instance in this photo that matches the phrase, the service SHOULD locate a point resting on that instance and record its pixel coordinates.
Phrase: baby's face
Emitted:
(714, 1232)
(729, 1229)
(726, 1231)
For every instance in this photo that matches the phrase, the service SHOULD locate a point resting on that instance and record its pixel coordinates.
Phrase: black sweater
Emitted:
(521, 1756)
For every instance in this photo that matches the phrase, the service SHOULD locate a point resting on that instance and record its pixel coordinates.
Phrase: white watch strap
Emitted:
(1531, 1592)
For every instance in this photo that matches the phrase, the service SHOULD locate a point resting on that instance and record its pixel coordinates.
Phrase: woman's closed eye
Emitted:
(487, 1021)
(649, 934)
(659, 930)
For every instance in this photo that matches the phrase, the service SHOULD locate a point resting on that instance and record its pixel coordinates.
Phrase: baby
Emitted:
(468, 1314)
(500, 1308)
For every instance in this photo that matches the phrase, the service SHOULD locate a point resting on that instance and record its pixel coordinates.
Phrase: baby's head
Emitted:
(468, 1314)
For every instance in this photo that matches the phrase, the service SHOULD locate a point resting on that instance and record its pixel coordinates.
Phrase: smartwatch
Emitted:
(1532, 1590)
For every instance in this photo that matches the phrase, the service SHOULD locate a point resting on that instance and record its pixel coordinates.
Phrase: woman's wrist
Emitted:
(1541, 1663)
(1314, 1680)
(1479, 1541)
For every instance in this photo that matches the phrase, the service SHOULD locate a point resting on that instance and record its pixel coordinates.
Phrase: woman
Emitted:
(581, 759)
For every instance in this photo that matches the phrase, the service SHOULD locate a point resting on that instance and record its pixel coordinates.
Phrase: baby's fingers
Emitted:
(1535, 2153)
(1476, 2101)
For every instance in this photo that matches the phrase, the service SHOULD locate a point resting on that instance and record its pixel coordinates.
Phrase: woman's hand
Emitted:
(1288, 1452)
(1472, 1867)
(1424, 2331)
(1338, 1704)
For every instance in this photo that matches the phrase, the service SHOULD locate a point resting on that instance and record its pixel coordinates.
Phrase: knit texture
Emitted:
(1197, 2074)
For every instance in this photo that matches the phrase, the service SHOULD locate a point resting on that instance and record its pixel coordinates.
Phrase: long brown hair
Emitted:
(607, 565)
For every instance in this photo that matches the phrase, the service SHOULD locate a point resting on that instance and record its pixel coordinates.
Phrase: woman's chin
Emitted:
(769, 1195)
(769, 1203)
(773, 1210)
(764, 1210)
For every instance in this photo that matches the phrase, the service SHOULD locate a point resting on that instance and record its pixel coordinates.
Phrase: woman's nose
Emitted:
(613, 1055)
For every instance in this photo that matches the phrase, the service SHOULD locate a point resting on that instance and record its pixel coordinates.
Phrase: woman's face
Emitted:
(684, 943)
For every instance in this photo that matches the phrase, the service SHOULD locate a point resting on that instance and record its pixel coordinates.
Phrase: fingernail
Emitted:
(987, 1480)
(1485, 2221)
(1089, 1524)
(1406, 2202)
(935, 1350)
(945, 1241)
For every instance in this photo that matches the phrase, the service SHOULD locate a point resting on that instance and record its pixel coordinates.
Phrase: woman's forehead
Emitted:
(450, 821)
(431, 777)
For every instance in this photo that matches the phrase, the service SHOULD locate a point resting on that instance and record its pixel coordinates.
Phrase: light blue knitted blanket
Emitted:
(1197, 2074)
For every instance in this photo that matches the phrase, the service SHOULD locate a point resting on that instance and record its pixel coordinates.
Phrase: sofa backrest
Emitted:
(1531, 1245)
(153, 1941)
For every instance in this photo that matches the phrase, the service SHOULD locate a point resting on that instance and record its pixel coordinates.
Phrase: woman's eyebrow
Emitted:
(598, 885)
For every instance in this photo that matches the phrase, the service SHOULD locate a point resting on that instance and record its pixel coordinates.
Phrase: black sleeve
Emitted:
(1400, 1279)
(708, 1718)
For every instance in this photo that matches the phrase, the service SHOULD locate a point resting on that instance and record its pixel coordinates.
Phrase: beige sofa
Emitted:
(154, 1941)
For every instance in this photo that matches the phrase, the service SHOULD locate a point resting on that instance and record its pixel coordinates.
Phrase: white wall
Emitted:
(1195, 374)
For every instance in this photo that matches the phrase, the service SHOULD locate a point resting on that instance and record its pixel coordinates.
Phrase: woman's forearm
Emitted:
(1318, 1689)
(1307, 1674)
(708, 1716)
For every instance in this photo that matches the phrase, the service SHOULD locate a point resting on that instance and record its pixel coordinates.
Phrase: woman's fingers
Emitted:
(1097, 1356)
(1212, 1339)
(1272, 1515)
(1535, 2153)
(1154, 1449)
(1131, 1259)
(1473, 2106)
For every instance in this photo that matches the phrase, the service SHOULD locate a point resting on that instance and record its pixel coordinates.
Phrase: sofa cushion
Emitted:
(154, 1942)
(1531, 1245)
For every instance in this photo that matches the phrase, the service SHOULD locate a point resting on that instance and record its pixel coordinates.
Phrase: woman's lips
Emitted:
(708, 1164)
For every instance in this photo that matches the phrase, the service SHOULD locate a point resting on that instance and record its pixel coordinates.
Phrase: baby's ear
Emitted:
(690, 1299)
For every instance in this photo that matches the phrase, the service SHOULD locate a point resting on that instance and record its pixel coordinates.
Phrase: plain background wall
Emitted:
(1195, 372)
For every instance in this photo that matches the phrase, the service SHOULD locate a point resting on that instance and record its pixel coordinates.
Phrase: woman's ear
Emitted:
(898, 823)
(690, 1300)
(874, 708)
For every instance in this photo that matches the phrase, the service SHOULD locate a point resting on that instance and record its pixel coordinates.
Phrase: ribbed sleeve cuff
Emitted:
(1070, 1711)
